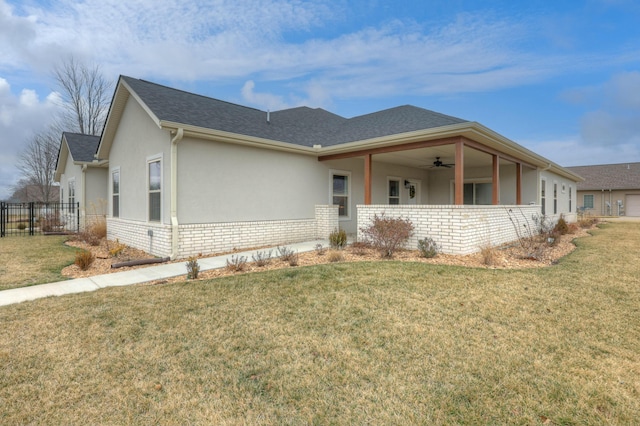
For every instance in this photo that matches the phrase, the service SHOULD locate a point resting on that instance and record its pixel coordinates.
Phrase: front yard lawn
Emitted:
(360, 343)
(30, 260)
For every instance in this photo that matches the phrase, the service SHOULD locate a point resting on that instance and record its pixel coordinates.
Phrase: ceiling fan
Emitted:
(439, 163)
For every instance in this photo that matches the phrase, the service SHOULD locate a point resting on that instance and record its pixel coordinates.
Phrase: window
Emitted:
(570, 191)
(340, 193)
(115, 193)
(555, 198)
(72, 196)
(588, 201)
(478, 193)
(543, 192)
(155, 186)
(394, 191)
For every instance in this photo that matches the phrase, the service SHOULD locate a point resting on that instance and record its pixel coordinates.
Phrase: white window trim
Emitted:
(593, 201)
(75, 197)
(333, 172)
(152, 159)
(400, 185)
(111, 172)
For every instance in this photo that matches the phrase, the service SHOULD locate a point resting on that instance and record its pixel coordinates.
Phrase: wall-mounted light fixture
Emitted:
(406, 184)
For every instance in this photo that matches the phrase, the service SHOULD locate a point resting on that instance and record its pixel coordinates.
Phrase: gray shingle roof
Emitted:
(301, 126)
(608, 176)
(82, 147)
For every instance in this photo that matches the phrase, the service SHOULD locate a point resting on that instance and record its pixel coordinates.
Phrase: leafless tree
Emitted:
(85, 102)
(85, 94)
(37, 163)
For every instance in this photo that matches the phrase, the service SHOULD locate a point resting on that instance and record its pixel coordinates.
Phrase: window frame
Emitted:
(584, 201)
(470, 181)
(151, 160)
(71, 195)
(555, 197)
(332, 195)
(115, 194)
(543, 196)
(394, 197)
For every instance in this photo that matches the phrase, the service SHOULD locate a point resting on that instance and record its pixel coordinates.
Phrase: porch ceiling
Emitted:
(423, 158)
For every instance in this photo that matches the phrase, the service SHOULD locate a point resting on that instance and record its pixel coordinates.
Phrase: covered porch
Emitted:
(458, 171)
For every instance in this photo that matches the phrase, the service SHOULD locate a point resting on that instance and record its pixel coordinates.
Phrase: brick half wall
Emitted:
(457, 229)
(211, 238)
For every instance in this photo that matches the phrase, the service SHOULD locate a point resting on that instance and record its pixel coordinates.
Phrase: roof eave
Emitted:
(236, 138)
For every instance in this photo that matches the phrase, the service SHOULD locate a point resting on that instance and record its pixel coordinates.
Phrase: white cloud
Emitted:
(613, 117)
(281, 40)
(263, 100)
(21, 116)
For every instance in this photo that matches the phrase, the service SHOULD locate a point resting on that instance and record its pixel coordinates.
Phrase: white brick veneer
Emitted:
(458, 229)
(209, 238)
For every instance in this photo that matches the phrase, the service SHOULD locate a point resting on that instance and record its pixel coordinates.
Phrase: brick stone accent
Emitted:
(327, 220)
(154, 238)
(209, 238)
(458, 229)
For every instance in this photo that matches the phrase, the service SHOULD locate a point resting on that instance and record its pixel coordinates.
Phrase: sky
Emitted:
(561, 78)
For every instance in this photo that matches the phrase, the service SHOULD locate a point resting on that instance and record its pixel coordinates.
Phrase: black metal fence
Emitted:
(38, 218)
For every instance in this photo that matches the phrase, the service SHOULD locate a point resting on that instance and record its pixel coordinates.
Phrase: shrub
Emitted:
(117, 248)
(338, 239)
(84, 259)
(573, 228)
(489, 254)
(335, 256)
(285, 253)
(428, 247)
(262, 258)
(360, 248)
(193, 268)
(561, 227)
(22, 226)
(51, 222)
(388, 234)
(237, 263)
(320, 249)
(294, 260)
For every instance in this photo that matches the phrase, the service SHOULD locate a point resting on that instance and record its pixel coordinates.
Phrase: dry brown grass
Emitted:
(30, 260)
(371, 342)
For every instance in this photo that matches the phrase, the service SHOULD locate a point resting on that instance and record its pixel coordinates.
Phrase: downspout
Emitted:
(83, 181)
(174, 192)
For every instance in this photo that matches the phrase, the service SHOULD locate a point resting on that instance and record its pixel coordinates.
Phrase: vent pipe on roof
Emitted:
(268, 117)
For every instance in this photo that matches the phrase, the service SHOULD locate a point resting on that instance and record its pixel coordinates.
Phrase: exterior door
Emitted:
(633, 205)
(414, 193)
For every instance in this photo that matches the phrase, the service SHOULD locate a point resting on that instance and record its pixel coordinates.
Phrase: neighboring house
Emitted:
(34, 193)
(188, 174)
(609, 189)
(83, 178)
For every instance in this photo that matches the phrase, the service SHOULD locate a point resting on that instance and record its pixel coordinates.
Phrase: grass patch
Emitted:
(31, 260)
(371, 342)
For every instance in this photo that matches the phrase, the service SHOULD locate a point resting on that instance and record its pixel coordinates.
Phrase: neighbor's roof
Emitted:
(608, 176)
(301, 126)
(82, 147)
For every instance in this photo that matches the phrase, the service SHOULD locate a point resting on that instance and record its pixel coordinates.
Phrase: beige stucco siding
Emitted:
(96, 190)
(137, 139)
(565, 188)
(222, 182)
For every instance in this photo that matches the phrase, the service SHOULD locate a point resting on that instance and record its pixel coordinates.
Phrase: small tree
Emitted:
(388, 234)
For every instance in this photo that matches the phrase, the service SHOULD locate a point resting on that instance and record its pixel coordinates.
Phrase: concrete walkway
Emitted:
(134, 276)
